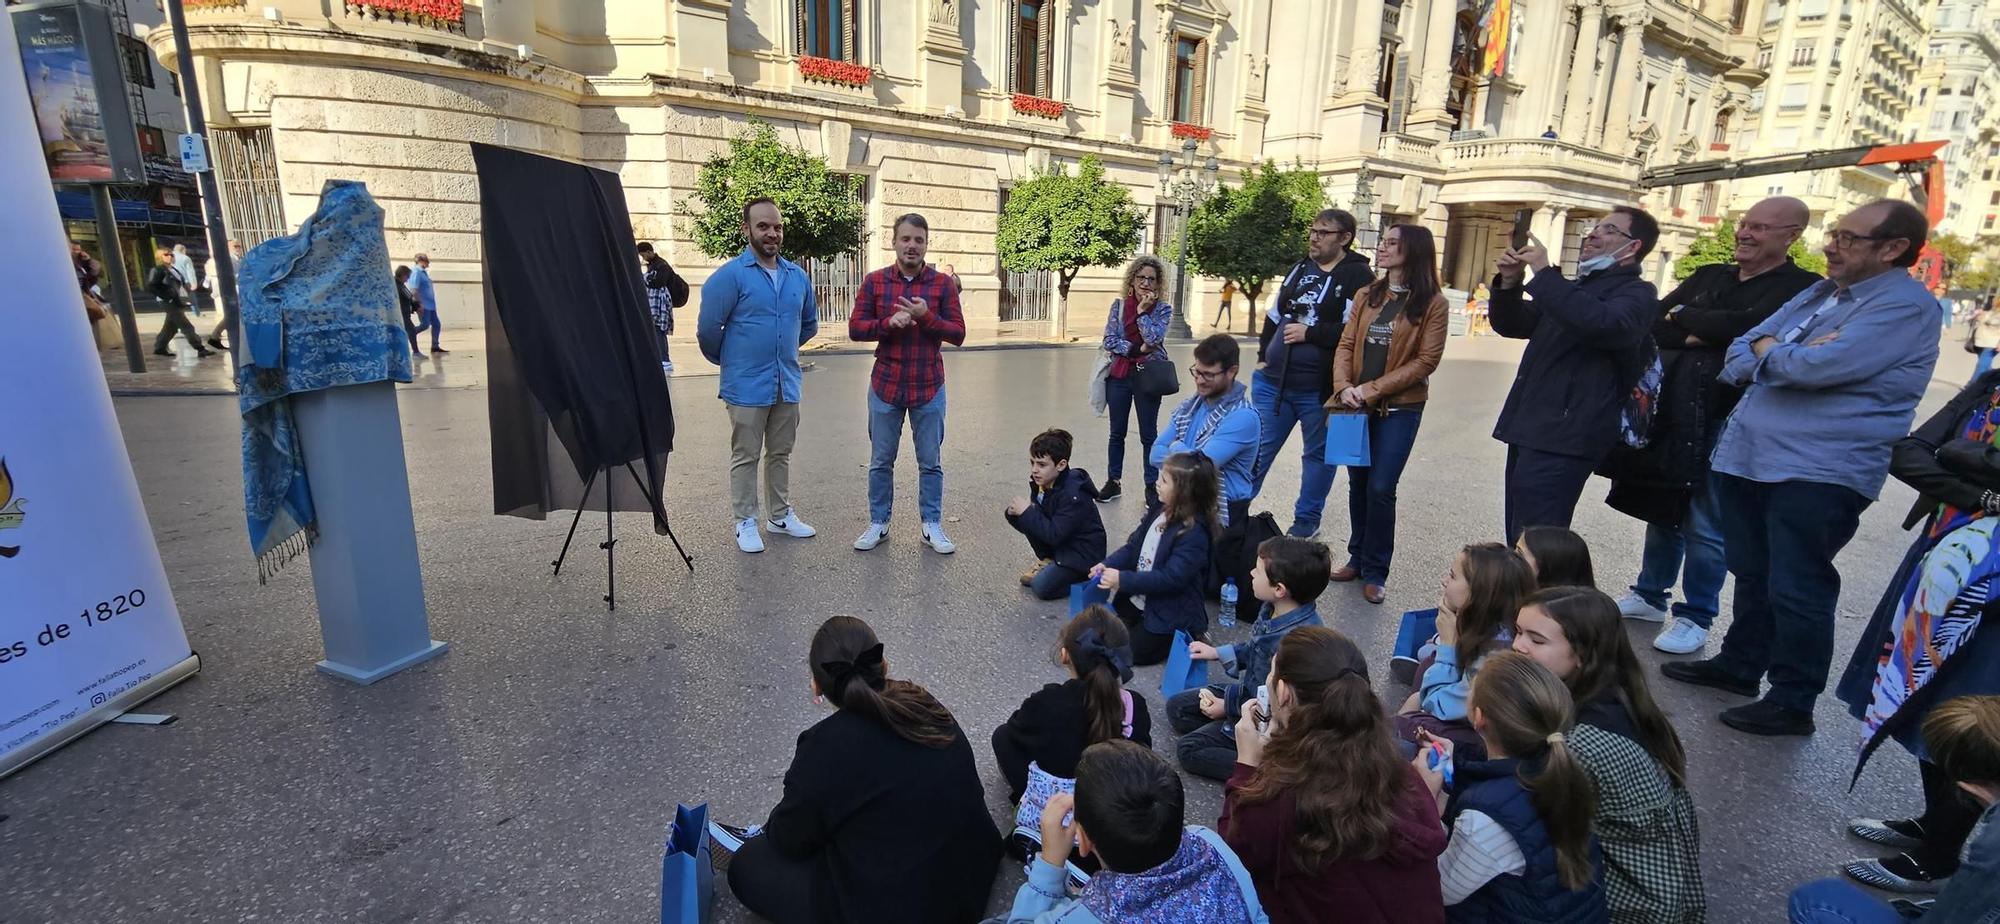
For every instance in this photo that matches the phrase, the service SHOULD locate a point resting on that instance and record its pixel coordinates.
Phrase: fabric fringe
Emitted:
(275, 558)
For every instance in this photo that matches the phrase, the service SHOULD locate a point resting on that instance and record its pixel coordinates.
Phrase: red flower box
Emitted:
(1709, 219)
(1718, 146)
(1680, 212)
(831, 71)
(444, 11)
(1037, 106)
(1197, 132)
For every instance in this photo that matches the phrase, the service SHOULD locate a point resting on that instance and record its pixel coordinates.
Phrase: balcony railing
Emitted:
(1407, 147)
(442, 15)
(1536, 153)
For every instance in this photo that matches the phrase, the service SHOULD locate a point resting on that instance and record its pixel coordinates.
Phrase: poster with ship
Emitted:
(72, 83)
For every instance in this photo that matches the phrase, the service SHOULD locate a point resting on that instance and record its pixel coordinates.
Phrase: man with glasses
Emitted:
(1832, 382)
(1217, 421)
(1295, 360)
(1564, 412)
(1665, 484)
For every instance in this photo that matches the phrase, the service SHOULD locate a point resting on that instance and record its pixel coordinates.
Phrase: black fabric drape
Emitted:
(570, 343)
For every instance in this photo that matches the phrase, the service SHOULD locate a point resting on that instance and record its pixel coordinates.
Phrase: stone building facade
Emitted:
(1956, 92)
(942, 105)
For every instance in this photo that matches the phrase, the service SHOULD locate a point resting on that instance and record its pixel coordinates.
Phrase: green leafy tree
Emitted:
(1252, 233)
(823, 213)
(1958, 252)
(1061, 222)
(1718, 245)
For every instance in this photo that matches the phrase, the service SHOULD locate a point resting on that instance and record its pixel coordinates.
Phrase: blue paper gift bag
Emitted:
(1417, 628)
(687, 876)
(1347, 440)
(1086, 592)
(1182, 672)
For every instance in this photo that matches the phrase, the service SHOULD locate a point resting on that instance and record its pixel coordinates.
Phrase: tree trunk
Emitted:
(1250, 317)
(1063, 278)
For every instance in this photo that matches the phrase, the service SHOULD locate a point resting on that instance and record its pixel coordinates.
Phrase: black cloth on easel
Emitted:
(570, 345)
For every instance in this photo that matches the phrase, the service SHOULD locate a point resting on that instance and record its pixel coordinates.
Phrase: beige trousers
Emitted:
(770, 430)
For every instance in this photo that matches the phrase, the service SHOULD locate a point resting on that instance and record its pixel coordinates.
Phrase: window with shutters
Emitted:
(830, 29)
(1720, 133)
(1033, 38)
(1401, 83)
(1188, 82)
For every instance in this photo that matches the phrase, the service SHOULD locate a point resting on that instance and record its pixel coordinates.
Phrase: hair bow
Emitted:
(867, 665)
(1119, 657)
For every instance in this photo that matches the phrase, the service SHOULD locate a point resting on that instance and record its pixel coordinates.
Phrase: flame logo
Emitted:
(11, 514)
(6, 483)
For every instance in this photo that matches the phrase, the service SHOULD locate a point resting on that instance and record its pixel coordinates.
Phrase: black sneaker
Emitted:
(1706, 673)
(1109, 491)
(1764, 717)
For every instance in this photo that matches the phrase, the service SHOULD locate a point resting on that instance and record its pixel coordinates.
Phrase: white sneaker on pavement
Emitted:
(747, 537)
(872, 537)
(1681, 636)
(792, 526)
(667, 366)
(1633, 606)
(939, 542)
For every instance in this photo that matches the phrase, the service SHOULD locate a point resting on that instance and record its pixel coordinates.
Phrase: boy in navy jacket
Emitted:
(1060, 521)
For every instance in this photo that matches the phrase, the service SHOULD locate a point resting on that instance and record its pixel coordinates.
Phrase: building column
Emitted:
(1430, 118)
(1551, 96)
(1364, 55)
(1582, 73)
(1352, 121)
(1618, 121)
(1551, 224)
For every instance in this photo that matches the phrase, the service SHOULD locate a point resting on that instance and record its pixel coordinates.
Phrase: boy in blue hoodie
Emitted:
(1129, 813)
(1060, 521)
(1290, 575)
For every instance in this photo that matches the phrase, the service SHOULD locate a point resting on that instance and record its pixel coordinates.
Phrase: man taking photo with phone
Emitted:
(1562, 416)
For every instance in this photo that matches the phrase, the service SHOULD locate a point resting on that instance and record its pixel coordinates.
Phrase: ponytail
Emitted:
(847, 664)
(1099, 649)
(1528, 714)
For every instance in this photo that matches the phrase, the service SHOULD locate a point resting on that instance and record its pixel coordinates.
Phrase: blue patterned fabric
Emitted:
(319, 310)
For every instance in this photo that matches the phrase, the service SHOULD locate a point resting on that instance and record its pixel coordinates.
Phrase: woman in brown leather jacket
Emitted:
(1391, 346)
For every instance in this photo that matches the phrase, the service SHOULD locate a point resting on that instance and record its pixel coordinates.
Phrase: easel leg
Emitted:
(558, 563)
(610, 560)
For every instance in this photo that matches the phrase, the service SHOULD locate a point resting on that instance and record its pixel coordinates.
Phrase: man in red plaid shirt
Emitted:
(910, 310)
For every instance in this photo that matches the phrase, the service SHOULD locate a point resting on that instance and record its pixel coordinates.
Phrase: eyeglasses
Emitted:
(1612, 229)
(1203, 375)
(1146, 278)
(1758, 227)
(1323, 232)
(1844, 239)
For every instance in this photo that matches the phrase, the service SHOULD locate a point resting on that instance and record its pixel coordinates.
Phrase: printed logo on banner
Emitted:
(11, 513)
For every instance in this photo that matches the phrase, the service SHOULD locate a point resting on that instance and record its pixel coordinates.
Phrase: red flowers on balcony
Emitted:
(1197, 132)
(1037, 106)
(831, 71)
(422, 11)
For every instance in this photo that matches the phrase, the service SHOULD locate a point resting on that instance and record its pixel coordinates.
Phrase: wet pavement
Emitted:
(530, 773)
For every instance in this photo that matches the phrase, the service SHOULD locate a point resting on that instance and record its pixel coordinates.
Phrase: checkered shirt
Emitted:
(1646, 824)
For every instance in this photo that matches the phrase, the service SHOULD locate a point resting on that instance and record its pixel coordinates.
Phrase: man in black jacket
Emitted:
(665, 291)
(167, 285)
(1295, 358)
(1562, 416)
(1665, 484)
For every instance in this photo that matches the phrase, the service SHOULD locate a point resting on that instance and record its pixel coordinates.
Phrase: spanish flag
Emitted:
(1498, 24)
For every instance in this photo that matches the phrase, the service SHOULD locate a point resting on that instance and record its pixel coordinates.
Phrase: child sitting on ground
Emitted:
(1333, 823)
(1476, 607)
(1158, 575)
(1129, 813)
(1521, 848)
(1289, 576)
(1059, 518)
(1558, 557)
(1053, 726)
(1644, 816)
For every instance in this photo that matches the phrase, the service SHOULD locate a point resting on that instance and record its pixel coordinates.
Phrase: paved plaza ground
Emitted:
(530, 773)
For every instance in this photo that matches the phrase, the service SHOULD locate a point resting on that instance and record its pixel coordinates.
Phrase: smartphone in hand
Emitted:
(1523, 221)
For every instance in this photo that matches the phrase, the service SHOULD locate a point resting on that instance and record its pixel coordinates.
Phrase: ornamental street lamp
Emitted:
(1366, 235)
(1185, 186)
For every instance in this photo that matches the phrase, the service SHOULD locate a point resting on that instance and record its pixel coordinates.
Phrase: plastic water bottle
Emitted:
(1227, 616)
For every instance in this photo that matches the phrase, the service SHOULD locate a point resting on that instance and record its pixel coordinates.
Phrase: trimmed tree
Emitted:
(1957, 252)
(1255, 232)
(824, 217)
(1718, 245)
(1061, 222)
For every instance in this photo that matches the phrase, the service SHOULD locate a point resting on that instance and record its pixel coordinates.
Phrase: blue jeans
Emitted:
(1694, 551)
(1119, 399)
(1053, 581)
(1371, 493)
(1780, 540)
(1277, 413)
(885, 431)
(1833, 901)
(1985, 363)
(430, 319)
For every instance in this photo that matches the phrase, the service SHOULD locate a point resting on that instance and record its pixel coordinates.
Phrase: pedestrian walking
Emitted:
(184, 267)
(407, 301)
(1134, 333)
(1293, 379)
(1224, 313)
(228, 322)
(1985, 338)
(426, 292)
(756, 311)
(665, 291)
(1563, 414)
(909, 311)
(166, 285)
(1832, 381)
(1382, 370)
(1665, 484)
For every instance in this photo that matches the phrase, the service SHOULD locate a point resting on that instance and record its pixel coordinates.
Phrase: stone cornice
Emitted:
(448, 56)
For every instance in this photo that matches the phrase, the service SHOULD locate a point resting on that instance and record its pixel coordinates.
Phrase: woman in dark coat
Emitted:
(1925, 643)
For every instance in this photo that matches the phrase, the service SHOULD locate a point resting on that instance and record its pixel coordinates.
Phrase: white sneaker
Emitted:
(747, 537)
(1681, 636)
(792, 526)
(872, 537)
(1633, 606)
(939, 542)
(667, 366)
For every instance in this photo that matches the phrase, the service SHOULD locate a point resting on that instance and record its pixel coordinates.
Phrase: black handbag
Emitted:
(1157, 378)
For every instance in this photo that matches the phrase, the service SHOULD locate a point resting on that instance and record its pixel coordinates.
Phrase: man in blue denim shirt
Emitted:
(756, 310)
(1833, 380)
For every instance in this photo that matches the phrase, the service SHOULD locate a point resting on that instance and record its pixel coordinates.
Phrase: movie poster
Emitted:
(84, 124)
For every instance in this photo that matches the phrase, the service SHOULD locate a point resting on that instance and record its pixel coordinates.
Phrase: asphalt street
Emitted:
(530, 773)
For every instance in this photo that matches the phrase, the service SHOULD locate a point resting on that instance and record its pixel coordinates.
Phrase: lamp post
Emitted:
(1186, 186)
(1366, 235)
